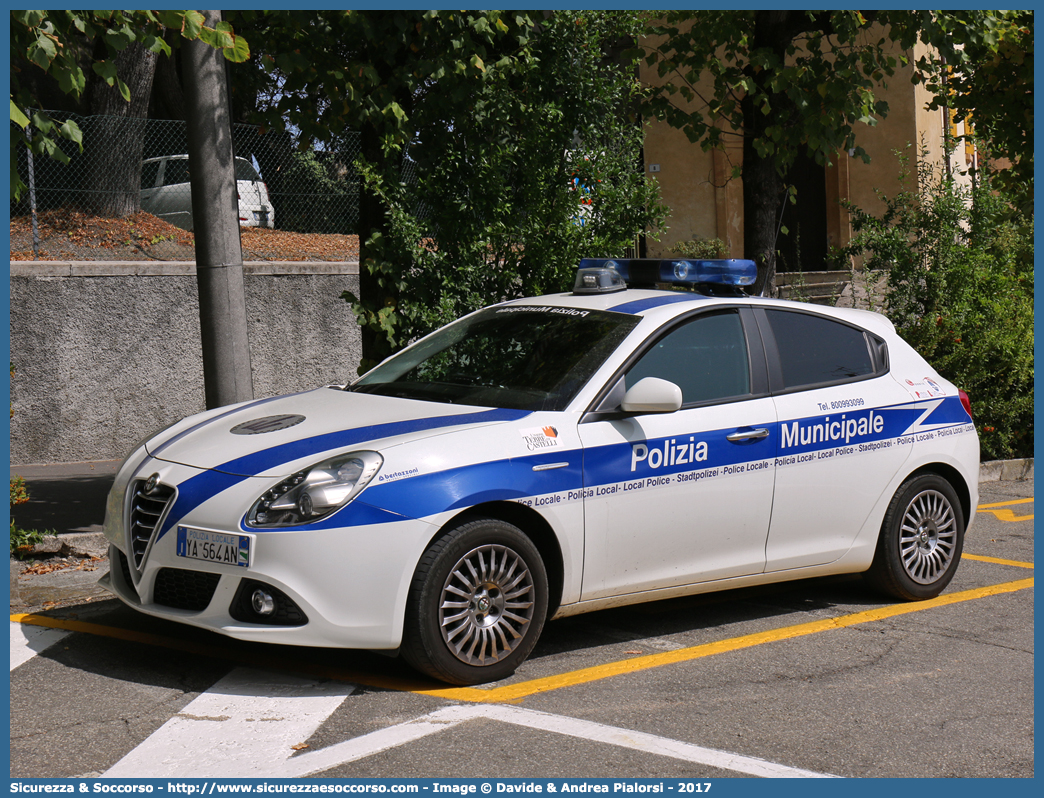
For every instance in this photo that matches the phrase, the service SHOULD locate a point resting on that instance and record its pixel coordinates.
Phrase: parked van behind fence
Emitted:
(166, 192)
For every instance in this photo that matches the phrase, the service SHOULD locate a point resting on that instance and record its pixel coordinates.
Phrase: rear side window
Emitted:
(705, 357)
(177, 172)
(814, 350)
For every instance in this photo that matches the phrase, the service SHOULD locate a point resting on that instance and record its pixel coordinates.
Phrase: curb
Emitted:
(1006, 470)
(73, 544)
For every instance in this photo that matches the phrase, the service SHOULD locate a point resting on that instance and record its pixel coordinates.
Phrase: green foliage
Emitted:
(959, 268)
(54, 41)
(21, 537)
(705, 248)
(979, 65)
(318, 203)
(784, 83)
(365, 70)
(387, 75)
(520, 170)
(19, 494)
(811, 75)
(790, 82)
(24, 538)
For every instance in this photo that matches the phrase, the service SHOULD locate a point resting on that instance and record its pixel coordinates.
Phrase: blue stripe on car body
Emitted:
(512, 479)
(669, 298)
(196, 490)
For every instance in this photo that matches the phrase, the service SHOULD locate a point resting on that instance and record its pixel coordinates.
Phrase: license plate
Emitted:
(200, 544)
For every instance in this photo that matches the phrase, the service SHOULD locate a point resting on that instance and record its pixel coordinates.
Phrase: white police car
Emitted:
(550, 456)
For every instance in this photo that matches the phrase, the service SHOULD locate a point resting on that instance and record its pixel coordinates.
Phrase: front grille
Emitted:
(145, 515)
(287, 613)
(125, 572)
(184, 590)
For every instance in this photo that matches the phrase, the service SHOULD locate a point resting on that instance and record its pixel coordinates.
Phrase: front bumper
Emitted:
(338, 587)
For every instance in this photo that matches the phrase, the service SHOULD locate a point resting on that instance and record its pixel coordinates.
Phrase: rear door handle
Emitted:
(742, 436)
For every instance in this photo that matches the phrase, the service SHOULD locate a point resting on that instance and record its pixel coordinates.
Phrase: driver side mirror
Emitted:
(652, 395)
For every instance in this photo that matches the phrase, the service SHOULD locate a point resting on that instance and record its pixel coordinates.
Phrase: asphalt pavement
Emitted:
(68, 500)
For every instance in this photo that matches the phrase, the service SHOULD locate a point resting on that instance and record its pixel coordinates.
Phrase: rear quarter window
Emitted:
(244, 171)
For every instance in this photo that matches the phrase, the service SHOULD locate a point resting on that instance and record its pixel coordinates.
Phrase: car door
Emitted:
(676, 498)
(172, 198)
(839, 413)
(150, 176)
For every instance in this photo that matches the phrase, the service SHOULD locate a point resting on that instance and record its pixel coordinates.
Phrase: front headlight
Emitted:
(316, 492)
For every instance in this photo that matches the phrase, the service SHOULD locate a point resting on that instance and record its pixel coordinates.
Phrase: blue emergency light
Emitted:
(605, 275)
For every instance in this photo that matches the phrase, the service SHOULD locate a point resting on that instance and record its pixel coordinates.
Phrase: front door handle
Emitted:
(742, 436)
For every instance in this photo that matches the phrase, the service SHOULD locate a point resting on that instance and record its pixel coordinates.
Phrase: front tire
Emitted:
(921, 540)
(477, 604)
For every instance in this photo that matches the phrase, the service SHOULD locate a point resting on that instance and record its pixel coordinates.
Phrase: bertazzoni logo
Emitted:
(258, 426)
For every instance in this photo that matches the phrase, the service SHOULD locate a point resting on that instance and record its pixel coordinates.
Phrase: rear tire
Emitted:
(477, 604)
(921, 540)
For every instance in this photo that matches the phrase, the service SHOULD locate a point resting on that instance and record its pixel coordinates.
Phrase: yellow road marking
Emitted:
(516, 692)
(1007, 515)
(997, 560)
(1005, 504)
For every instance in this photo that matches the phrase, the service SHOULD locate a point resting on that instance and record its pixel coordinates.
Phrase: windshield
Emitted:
(521, 357)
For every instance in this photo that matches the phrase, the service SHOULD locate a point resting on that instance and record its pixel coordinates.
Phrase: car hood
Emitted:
(275, 437)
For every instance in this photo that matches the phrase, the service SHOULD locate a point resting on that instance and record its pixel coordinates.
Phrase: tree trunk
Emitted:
(762, 204)
(168, 95)
(763, 194)
(115, 135)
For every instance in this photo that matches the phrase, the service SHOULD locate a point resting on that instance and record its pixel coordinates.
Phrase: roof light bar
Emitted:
(640, 272)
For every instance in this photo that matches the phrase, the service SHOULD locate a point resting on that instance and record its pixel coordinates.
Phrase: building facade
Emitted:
(706, 202)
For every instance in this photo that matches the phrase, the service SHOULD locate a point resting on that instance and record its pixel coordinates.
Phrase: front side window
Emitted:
(814, 350)
(149, 173)
(522, 357)
(705, 357)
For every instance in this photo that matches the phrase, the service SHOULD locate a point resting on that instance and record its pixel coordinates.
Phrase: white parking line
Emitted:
(249, 723)
(352, 750)
(28, 641)
(245, 725)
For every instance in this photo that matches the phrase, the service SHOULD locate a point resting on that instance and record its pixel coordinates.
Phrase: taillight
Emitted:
(966, 402)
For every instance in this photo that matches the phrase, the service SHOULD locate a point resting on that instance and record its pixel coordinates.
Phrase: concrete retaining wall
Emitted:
(106, 353)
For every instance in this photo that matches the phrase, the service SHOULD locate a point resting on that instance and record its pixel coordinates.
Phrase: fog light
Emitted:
(262, 602)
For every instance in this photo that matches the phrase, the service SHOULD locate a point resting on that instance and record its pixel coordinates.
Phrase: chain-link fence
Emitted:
(131, 163)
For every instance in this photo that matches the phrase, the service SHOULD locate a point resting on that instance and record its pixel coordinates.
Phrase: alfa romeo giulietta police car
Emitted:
(550, 456)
